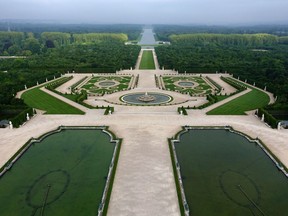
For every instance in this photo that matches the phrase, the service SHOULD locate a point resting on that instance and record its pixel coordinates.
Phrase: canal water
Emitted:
(147, 37)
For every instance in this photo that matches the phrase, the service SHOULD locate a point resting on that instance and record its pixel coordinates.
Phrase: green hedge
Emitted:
(268, 118)
(211, 100)
(77, 83)
(214, 83)
(81, 97)
(108, 109)
(22, 117)
(235, 84)
(52, 86)
(184, 111)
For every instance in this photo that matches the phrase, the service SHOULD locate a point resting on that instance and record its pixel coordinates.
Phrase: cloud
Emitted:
(147, 11)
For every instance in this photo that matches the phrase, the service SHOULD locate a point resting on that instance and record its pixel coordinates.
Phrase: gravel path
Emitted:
(65, 88)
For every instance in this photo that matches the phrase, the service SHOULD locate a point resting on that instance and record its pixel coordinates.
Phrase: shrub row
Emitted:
(184, 112)
(211, 100)
(108, 109)
(268, 118)
(214, 83)
(77, 83)
(22, 117)
(81, 97)
(56, 84)
(235, 84)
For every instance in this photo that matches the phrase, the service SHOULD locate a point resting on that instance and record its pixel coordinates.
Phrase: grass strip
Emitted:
(147, 61)
(253, 100)
(38, 99)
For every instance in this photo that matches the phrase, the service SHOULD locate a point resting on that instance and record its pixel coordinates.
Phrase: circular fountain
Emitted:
(151, 98)
(146, 98)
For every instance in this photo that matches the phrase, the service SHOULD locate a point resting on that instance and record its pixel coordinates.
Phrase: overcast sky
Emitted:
(148, 11)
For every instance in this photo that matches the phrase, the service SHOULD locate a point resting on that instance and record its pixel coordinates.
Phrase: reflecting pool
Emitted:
(64, 174)
(225, 174)
(185, 83)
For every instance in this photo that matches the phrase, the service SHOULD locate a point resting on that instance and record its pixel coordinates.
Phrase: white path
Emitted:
(139, 60)
(65, 88)
(228, 89)
(144, 182)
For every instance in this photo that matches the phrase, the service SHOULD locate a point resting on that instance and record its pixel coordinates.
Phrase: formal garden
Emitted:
(101, 85)
(191, 85)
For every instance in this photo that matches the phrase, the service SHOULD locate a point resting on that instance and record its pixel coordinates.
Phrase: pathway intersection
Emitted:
(144, 182)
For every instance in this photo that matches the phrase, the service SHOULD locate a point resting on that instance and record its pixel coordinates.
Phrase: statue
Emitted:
(10, 125)
(279, 126)
(263, 117)
(146, 98)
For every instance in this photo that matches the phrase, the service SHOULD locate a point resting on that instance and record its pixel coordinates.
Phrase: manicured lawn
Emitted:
(201, 88)
(123, 84)
(40, 100)
(147, 61)
(250, 101)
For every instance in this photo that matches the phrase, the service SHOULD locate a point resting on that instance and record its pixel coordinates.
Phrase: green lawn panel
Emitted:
(147, 61)
(40, 100)
(250, 101)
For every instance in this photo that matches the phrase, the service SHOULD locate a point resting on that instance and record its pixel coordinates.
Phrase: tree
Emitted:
(32, 45)
(14, 50)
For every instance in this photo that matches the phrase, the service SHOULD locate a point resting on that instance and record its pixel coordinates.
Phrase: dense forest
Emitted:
(260, 58)
(163, 32)
(47, 54)
(132, 30)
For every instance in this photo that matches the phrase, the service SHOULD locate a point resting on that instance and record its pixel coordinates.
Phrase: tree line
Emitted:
(132, 30)
(20, 43)
(224, 39)
(163, 32)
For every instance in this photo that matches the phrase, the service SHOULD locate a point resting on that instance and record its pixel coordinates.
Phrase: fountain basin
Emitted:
(146, 98)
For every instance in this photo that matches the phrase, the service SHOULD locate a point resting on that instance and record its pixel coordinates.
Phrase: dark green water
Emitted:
(66, 171)
(226, 175)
